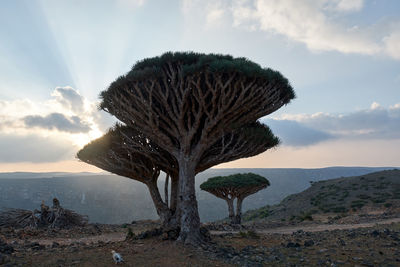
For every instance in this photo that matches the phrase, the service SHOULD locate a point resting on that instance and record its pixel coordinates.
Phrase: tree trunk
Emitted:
(162, 209)
(174, 193)
(231, 211)
(239, 210)
(166, 189)
(187, 205)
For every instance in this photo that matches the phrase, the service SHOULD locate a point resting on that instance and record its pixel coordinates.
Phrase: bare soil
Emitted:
(376, 243)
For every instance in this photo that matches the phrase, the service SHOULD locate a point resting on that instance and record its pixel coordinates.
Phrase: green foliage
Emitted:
(130, 234)
(260, 134)
(235, 180)
(195, 63)
(101, 146)
(388, 205)
(96, 147)
(305, 216)
(358, 204)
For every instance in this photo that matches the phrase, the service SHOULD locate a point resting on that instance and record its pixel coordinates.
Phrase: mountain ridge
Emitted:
(114, 199)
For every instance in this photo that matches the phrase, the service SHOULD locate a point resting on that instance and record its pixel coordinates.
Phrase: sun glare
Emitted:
(80, 140)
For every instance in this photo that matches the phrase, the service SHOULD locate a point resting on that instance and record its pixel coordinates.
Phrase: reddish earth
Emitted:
(367, 244)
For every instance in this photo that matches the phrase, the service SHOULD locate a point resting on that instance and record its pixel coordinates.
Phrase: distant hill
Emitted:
(107, 198)
(375, 190)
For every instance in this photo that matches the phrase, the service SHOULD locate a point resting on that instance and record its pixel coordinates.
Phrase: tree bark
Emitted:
(239, 210)
(174, 193)
(187, 205)
(166, 189)
(231, 211)
(162, 209)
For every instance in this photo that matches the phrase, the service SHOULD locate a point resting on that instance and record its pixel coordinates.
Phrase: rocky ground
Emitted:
(378, 245)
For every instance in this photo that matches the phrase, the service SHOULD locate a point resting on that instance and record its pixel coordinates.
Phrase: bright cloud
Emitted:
(317, 24)
(346, 5)
(51, 130)
(308, 22)
(69, 98)
(392, 44)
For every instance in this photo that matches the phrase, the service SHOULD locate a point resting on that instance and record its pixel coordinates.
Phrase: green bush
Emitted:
(388, 205)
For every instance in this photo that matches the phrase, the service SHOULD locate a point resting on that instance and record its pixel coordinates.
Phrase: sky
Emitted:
(342, 58)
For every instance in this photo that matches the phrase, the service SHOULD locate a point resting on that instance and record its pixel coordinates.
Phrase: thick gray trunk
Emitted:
(231, 211)
(239, 211)
(174, 193)
(188, 211)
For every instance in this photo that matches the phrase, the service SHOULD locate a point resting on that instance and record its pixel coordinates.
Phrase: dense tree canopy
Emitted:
(236, 186)
(180, 100)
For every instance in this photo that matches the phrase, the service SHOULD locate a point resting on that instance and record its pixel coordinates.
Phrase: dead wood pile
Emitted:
(54, 217)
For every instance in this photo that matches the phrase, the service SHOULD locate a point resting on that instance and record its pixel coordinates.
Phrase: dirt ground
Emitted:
(373, 244)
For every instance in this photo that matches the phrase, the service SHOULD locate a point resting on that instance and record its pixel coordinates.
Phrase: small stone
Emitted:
(308, 243)
(375, 233)
(292, 245)
(3, 259)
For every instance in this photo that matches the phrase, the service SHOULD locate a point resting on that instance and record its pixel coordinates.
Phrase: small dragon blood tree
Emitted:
(237, 186)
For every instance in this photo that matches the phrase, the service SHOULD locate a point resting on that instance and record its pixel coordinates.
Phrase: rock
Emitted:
(386, 231)
(4, 259)
(308, 243)
(292, 245)
(5, 248)
(235, 258)
(351, 234)
(35, 246)
(375, 233)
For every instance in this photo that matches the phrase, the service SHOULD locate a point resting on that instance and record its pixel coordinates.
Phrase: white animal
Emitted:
(116, 257)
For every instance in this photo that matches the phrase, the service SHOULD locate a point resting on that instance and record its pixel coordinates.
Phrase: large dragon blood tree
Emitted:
(127, 152)
(236, 186)
(185, 102)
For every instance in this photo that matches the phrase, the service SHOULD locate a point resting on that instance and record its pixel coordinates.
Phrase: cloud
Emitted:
(66, 119)
(131, 3)
(376, 123)
(392, 45)
(32, 148)
(307, 22)
(214, 13)
(345, 5)
(320, 25)
(69, 98)
(293, 133)
(57, 121)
